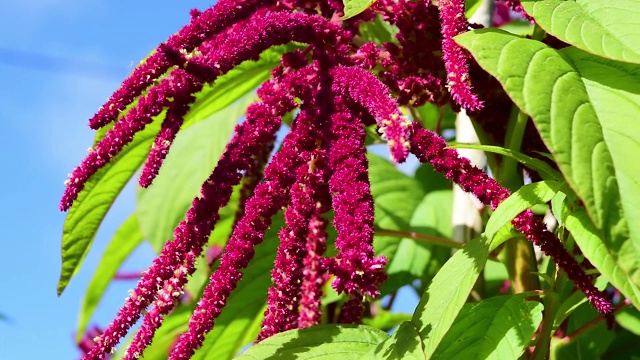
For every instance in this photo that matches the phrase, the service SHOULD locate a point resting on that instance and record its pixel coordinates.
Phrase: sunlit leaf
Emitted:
(495, 328)
(601, 27)
(404, 344)
(521, 200)
(318, 342)
(193, 156)
(580, 104)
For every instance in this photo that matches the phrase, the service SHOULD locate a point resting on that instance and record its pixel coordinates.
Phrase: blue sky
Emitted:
(59, 61)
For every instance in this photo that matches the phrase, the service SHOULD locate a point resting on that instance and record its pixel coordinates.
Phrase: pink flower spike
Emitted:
(431, 148)
(367, 91)
(170, 127)
(261, 125)
(284, 297)
(358, 272)
(269, 197)
(314, 275)
(206, 24)
(455, 57)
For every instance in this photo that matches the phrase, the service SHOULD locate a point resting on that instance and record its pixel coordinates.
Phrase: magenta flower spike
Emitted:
(366, 90)
(269, 197)
(431, 148)
(358, 272)
(203, 26)
(244, 42)
(313, 273)
(284, 297)
(263, 120)
(170, 127)
(456, 59)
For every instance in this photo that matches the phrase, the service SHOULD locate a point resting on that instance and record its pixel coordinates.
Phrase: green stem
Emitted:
(544, 337)
(422, 237)
(515, 131)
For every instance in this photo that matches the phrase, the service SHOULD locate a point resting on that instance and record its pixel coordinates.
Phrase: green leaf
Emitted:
(125, 240)
(601, 27)
(629, 319)
(378, 30)
(448, 292)
(589, 344)
(521, 200)
(544, 169)
(496, 328)
(603, 257)
(580, 103)
(193, 155)
(95, 200)
(318, 342)
(404, 344)
(355, 7)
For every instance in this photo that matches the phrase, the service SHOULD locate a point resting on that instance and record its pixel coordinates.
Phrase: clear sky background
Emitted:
(59, 61)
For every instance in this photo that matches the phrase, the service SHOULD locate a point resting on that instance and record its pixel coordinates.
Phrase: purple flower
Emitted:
(314, 275)
(366, 90)
(456, 59)
(431, 148)
(203, 26)
(270, 195)
(356, 269)
(284, 297)
(263, 120)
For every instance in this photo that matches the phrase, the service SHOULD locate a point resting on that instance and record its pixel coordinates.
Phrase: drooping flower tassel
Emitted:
(431, 148)
(263, 121)
(358, 272)
(456, 59)
(269, 197)
(203, 26)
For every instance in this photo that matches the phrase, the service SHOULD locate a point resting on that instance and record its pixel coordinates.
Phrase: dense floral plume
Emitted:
(335, 86)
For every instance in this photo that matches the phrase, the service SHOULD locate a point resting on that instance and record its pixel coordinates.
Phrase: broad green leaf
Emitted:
(580, 103)
(496, 328)
(194, 153)
(95, 200)
(415, 259)
(604, 258)
(93, 203)
(521, 200)
(629, 319)
(355, 7)
(602, 27)
(625, 346)
(544, 169)
(125, 240)
(318, 342)
(448, 292)
(235, 328)
(404, 344)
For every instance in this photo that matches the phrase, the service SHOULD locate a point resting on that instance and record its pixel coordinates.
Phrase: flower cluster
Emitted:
(321, 165)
